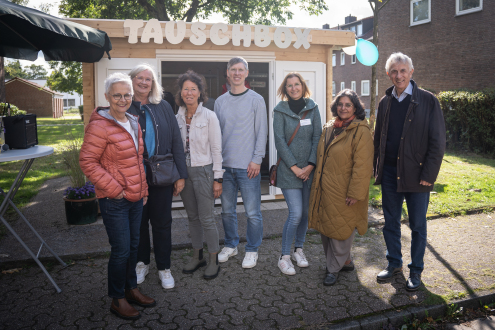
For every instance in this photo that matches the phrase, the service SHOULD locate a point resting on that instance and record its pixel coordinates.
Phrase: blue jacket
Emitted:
(302, 150)
(167, 132)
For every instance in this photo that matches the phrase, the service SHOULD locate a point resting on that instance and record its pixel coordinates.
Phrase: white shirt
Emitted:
(407, 91)
(128, 128)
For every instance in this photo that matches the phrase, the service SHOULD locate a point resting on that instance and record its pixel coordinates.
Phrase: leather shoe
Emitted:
(348, 268)
(330, 279)
(388, 273)
(122, 309)
(413, 282)
(135, 297)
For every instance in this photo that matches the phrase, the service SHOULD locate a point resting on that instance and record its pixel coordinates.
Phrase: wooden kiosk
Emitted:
(174, 47)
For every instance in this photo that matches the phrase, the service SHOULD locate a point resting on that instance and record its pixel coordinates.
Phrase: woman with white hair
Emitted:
(161, 135)
(112, 159)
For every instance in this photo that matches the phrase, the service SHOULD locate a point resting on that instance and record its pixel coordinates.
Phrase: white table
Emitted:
(28, 155)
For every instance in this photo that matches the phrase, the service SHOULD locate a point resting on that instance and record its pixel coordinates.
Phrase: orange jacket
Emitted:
(109, 158)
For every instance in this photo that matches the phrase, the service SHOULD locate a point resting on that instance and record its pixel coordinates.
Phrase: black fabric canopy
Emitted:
(25, 31)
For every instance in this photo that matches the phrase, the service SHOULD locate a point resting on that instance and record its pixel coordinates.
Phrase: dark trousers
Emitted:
(417, 206)
(158, 213)
(122, 220)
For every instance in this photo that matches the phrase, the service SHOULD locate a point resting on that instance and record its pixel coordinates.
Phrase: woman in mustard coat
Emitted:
(338, 203)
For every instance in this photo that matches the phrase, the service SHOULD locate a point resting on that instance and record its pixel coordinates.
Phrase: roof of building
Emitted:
(340, 26)
(33, 84)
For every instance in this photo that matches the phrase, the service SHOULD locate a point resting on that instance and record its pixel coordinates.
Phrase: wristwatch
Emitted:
(218, 180)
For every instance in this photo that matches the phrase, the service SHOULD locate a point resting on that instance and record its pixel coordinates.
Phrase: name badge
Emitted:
(305, 122)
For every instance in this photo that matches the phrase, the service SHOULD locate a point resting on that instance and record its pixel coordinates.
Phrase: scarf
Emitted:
(340, 123)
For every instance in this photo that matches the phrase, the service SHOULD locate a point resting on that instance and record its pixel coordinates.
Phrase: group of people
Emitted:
(324, 173)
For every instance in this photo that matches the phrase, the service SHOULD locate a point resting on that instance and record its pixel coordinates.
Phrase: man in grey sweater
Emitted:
(243, 120)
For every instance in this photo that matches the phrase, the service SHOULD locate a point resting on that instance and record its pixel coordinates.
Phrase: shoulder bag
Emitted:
(273, 169)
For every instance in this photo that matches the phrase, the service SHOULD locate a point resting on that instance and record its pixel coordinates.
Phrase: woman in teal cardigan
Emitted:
(295, 171)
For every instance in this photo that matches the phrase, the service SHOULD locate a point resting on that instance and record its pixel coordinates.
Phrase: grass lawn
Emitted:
(465, 182)
(43, 168)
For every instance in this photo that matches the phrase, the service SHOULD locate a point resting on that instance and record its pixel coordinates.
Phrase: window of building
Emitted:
(333, 88)
(353, 59)
(359, 29)
(342, 85)
(420, 11)
(365, 87)
(342, 58)
(65, 103)
(353, 28)
(376, 87)
(334, 60)
(353, 85)
(468, 6)
(72, 102)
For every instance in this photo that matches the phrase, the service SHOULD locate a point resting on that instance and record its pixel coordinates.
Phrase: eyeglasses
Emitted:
(141, 79)
(118, 97)
(344, 105)
(291, 86)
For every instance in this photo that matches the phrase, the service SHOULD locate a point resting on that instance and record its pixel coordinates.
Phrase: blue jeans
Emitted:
(122, 220)
(297, 222)
(235, 179)
(417, 206)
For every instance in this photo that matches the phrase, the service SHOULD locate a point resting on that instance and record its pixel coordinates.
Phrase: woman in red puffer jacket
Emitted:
(112, 159)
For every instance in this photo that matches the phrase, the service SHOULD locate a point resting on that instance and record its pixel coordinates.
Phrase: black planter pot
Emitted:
(81, 211)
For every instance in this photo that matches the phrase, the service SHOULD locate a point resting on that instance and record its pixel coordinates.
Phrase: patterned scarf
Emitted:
(340, 123)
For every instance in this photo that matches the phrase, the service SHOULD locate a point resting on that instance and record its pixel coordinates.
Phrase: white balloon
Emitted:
(351, 50)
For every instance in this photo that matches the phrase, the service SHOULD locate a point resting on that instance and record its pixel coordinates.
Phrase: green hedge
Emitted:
(13, 109)
(470, 119)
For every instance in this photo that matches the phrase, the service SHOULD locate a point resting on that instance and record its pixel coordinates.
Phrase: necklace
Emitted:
(190, 118)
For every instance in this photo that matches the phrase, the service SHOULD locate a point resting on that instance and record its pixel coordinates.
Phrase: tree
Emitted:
(13, 68)
(36, 72)
(66, 77)
(376, 7)
(265, 12)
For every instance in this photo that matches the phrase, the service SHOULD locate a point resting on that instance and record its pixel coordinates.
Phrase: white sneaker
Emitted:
(166, 278)
(226, 252)
(300, 258)
(286, 265)
(250, 260)
(141, 271)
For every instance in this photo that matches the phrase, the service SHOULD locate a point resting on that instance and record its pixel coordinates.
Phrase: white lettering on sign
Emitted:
(214, 34)
(133, 25)
(245, 35)
(277, 37)
(175, 32)
(170, 32)
(262, 36)
(153, 30)
(199, 37)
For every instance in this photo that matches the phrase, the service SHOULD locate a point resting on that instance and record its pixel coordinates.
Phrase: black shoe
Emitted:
(388, 273)
(413, 282)
(330, 279)
(348, 268)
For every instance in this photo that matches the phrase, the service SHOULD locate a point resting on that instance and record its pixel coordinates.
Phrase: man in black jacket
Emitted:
(409, 146)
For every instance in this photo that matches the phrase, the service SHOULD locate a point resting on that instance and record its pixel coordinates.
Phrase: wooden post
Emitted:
(329, 81)
(88, 90)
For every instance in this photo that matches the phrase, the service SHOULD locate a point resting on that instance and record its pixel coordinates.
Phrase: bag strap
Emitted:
(294, 134)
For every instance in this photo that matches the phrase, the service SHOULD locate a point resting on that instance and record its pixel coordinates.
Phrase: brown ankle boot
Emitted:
(122, 309)
(135, 297)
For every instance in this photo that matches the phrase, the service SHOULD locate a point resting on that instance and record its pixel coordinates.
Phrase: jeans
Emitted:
(297, 222)
(199, 202)
(121, 219)
(158, 213)
(235, 179)
(417, 206)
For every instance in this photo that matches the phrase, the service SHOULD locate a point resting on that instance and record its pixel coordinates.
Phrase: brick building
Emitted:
(451, 42)
(348, 72)
(34, 98)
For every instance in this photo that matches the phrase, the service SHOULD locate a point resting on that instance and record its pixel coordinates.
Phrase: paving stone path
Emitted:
(459, 263)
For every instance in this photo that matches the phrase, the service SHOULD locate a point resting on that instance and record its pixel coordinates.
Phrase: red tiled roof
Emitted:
(33, 84)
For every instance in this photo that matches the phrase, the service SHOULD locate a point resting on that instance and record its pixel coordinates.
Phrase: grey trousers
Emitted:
(199, 201)
(337, 252)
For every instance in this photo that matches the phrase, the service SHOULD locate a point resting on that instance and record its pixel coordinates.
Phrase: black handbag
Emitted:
(161, 170)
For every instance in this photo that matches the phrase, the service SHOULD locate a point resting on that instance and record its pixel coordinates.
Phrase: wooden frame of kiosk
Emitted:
(176, 46)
